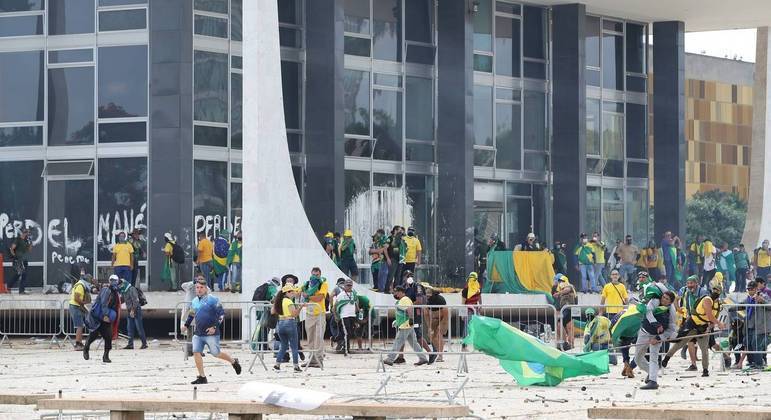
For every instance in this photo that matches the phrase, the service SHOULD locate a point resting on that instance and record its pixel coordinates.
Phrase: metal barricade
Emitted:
(445, 327)
(236, 313)
(30, 317)
(747, 333)
(265, 338)
(574, 322)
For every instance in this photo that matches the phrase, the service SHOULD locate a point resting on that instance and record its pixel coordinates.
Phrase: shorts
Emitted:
(210, 341)
(440, 324)
(77, 316)
(567, 316)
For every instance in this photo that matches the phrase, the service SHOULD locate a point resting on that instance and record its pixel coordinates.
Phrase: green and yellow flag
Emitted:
(529, 360)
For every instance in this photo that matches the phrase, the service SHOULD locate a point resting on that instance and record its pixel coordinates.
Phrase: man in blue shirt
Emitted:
(207, 313)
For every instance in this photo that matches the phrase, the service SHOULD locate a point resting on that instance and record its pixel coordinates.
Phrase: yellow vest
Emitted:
(699, 317)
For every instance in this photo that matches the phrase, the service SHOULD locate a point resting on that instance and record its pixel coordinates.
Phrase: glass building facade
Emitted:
(116, 114)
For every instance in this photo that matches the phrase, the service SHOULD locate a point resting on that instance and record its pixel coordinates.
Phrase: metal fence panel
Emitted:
(30, 317)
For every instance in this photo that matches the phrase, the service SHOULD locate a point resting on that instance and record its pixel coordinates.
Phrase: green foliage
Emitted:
(717, 215)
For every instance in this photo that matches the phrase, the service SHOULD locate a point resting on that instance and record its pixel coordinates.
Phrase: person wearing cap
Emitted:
(287, 312)
(80, 296)
(207, 314)
(412, 250)
(529, 244)
(345, 307)
(122, 257)
(405, 333)
(104, 312)
(135, 240)
(597, 333)
(348, 255)
(330, 247)
(134, 322)
(173, 267)
(565, 295)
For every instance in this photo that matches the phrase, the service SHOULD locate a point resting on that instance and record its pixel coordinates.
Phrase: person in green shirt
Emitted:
(363, 316)
(742, 261)
(347, 256)
(233, 261)
(139, 253)
(19, 249)
(560, 259)
(584, 254)
(726, 264)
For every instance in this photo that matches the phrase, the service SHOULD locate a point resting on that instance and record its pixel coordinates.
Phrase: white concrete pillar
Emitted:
(757, 227)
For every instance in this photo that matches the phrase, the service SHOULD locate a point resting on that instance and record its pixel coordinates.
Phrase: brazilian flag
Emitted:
(627, 323)
(529, 360)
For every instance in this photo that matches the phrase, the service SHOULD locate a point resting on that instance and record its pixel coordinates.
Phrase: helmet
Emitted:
(716, 284)
(329, 235)
(590, 312)
(348, 233)
(473, 274)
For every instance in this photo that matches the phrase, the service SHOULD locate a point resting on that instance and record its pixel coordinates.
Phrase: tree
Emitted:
(717, 215)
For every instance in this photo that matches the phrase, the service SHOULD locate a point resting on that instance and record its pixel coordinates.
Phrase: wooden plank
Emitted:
(331, 408)
(680, 412)
(127, 415)
(24, 399)
(244, 416)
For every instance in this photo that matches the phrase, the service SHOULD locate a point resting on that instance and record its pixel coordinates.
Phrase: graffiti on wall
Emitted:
(113, 223)
(211, 225)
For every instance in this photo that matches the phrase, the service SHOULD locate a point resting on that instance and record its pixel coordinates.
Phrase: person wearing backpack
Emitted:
(80, 296)
(103, 313)
(131, 295)
(174, 258)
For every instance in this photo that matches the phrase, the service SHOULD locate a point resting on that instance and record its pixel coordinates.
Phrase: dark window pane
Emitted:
(420, 54)
(534, 21)
(70, 56)
(70, 229)
(236, 170)
(121, 20)
(390, 80)
(612, 25)
(122, 132)
(593, 77)
(612, 134)
(419, 152)
(613, 62)
(387, 124)
(295, 142)
(356, 185)
(358, 147)
(507, 8)
(70, 17)
(70, 167)
(71, 106)
(210, 93)
(289, 37)
(508, 94)
(636, 170)
(22, 198)
(356, 100)
(635, 48)
(483, 63)
(387, 30)
(535, 120)
(21, 5)
(236, 205)
(535, 161)
(216, 6)
(636, 135)
(636, 84)
(386, 180)
(21, 136)
(289, 11)
(357, 18)
(291, 79)
(594, 166)
(21, 86)
(122, 186)
(236, 20)
(418, 20)
(236, 62)
(593, 41)
(420, 196)
(508, 136)
(483, 157)
(483, 26)
(419, 115)
(236, 111)
(210, 197)
(123, 81)
(483, 115)
(357, 46)
(210, 136)
(593, 127)
(614, 168)
(507, 46)
(211, 26)
(21, 25)
(120, 2)
(534, 70)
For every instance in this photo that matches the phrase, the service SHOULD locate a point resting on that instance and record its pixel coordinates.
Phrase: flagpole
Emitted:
(668, 341)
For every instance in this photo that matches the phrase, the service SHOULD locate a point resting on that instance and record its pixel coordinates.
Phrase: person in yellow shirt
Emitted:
(204, 258)
(763, 260)
(614, 295)
(80, 296)
(122, 258)
(599, 248)
(652, 260)
(405, 333)
(316, 290)
(287, 311)
(412, 250)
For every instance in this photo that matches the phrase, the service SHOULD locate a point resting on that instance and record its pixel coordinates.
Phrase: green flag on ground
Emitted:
(529, 360)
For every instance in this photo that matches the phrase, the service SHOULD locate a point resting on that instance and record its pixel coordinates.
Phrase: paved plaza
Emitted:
(490, 392)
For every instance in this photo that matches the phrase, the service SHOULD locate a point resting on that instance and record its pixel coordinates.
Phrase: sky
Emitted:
(738, 43)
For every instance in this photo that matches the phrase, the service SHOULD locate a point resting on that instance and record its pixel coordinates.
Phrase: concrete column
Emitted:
(171, 138)
(757, 228)
(569, 142)
(669, 128)
(455, 189)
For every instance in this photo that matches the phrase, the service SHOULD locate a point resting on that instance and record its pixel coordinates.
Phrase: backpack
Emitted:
(177, 254)
(261, 293)
(141, 296)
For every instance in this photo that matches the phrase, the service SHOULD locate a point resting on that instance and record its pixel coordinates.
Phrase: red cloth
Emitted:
(117, 321)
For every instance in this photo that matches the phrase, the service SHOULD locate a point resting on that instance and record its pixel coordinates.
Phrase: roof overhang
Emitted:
(698, 15)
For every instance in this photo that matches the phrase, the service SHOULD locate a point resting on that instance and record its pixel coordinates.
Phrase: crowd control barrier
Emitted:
(30, 317)
(746, 337)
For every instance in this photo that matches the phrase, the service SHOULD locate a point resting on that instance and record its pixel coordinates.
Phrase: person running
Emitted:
(702, 317)
(207, 314)
(405, 332)
(287, 312)
(658, 324)
(103, 313)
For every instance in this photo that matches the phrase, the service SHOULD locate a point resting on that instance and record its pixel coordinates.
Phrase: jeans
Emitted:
(19, 277)
(652, 366)
(205, 268)
(763, 271)
(598, 273)
(382, 278)
(235, 274)
(756, 342)
(408, 336)
(123, 272)
(741, 280)
(135, 324)
(669, 267)
(625, 270)
(287, 332)
(588, 278)
(221, 279)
